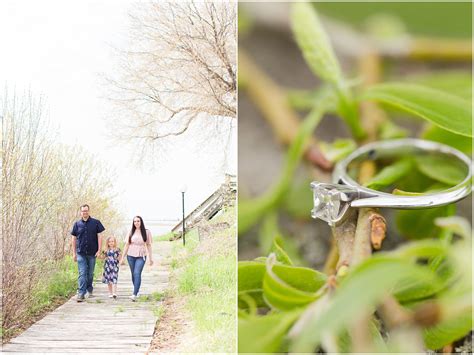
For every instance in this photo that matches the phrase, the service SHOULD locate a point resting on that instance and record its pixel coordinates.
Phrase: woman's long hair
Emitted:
(142, 230)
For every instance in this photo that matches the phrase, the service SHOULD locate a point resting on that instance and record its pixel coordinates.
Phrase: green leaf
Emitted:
(269, 230)
(432, 189)
(455, 224)
(411, 289)
(437, 134)
(344, 341)
(264, 334)
(415, 181)
(456, 82)
(250, 211)
(287, 287)
(443, 109)
(318, 53)
(447, 331)
(391, 174)
(442, 168)
(280, 254)
(298, 203)
(250, 283)
(389, 130)
(419, 224)
(304, 100)
(314, 42)
(359, 293)
(421, 249)
(338, 149)
(269, 234)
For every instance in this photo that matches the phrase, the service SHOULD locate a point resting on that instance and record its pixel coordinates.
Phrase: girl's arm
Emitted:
(149, 238)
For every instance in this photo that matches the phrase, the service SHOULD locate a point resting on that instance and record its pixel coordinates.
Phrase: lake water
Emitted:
(156, 227)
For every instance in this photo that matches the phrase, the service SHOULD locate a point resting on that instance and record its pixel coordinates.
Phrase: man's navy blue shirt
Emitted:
(87, 240)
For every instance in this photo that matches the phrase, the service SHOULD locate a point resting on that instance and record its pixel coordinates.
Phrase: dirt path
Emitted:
(175, 330)
(101, 324)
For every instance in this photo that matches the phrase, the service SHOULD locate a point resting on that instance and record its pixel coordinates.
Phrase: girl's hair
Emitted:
(107, 241)
(142, 229)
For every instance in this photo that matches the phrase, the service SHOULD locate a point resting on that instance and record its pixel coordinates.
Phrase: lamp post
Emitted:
(183, 190)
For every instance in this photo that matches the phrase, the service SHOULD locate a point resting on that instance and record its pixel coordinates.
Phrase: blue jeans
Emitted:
(136, 268)
(86, 265)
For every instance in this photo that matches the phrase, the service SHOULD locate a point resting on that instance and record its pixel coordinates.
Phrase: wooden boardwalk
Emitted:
(101, 324)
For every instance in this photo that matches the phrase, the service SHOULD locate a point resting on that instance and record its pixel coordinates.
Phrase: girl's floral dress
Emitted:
(111, 266)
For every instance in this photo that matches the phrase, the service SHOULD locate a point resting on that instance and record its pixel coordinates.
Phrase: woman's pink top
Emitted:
(137, 247)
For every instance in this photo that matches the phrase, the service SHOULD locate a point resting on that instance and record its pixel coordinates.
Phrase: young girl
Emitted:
(111, 266)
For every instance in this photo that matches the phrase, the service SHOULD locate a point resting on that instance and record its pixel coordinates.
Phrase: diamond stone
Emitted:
(327, 203)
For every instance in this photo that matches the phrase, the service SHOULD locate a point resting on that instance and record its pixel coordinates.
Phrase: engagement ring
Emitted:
(332, 201)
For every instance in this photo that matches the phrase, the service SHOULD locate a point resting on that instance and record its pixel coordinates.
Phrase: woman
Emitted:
(137, 249)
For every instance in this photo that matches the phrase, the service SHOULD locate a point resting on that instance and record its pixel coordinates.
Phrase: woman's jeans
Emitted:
(86, 265)
(136, 267)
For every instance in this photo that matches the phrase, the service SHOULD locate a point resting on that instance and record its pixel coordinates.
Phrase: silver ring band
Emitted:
(345, 192)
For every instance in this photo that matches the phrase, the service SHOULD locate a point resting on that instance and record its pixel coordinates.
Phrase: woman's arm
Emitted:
(125, 250)
(149, 239)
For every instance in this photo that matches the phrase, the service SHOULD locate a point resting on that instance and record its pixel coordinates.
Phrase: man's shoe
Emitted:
(133, 298)
(80, 298)
(89, 294)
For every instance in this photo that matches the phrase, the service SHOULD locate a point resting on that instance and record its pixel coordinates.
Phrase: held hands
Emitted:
(121, 262)
(150, 262)
(74, 256)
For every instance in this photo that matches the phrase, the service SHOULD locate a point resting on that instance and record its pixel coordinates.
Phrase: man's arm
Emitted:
(100, 229)
(74, 254)
(99, 240)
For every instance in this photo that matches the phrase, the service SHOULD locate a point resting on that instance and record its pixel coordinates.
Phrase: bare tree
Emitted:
(43, 184)
(182, 65)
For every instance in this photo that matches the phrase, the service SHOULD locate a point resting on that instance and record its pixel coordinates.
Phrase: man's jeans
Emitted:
(136, 268)
(86, 265)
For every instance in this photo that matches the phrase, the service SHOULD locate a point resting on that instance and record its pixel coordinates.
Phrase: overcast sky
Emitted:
(60, 50)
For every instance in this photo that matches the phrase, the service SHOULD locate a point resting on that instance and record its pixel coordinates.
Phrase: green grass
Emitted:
(158, 311)
(207, 282)
(210, 286)
(192, 238)
(228, 216)
(202, 273)
(155, 296)
(163, 238)
(214, 316)
(61, 283)
(98, 270)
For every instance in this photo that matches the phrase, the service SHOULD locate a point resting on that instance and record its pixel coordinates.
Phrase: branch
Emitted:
(271, 101)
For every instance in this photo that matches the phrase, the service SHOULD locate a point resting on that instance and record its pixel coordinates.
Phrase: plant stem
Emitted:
(370, 113)
(362, 246)
(344, 237)
(440, 49)
(332, 259)
(272, 102)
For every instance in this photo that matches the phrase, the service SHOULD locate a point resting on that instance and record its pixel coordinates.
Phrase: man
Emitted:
(86, 246)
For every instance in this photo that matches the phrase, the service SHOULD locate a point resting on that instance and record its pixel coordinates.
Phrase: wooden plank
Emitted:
(34, 349)
(94, 343)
